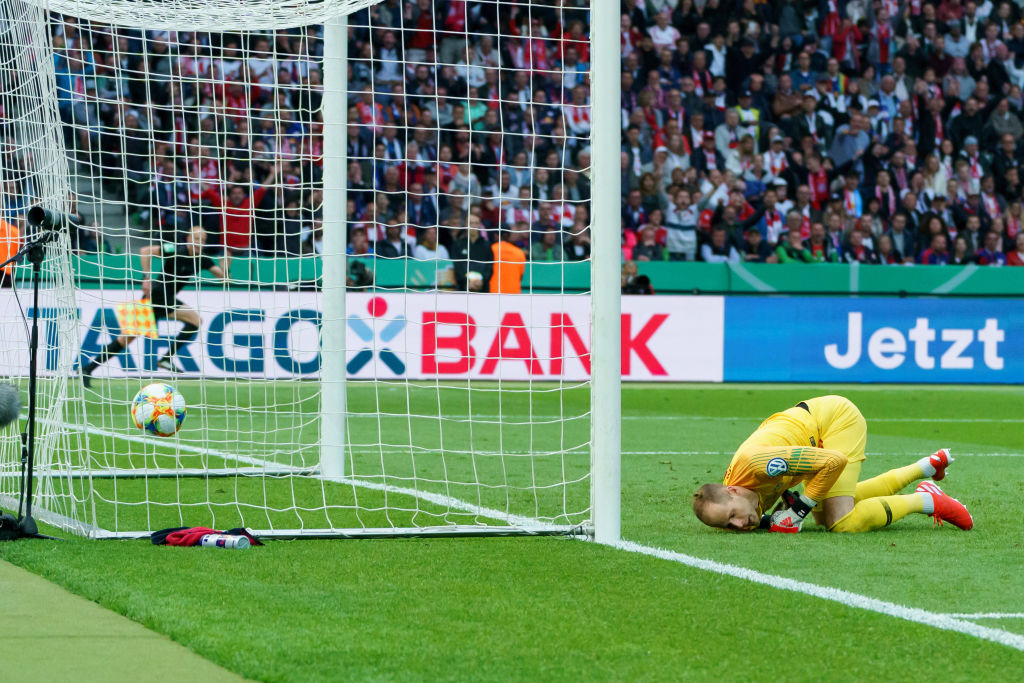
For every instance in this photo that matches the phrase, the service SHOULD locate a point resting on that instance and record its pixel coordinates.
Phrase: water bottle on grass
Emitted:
(224, 541)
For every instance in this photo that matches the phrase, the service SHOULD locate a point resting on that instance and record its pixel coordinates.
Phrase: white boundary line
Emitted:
(988, 615)
(453, 417)
(392, 450)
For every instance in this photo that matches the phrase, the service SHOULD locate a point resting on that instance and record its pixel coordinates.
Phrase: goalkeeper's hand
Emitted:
(789, 520)
(786, 499)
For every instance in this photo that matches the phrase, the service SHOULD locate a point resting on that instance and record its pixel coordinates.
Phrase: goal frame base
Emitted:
(456, 531)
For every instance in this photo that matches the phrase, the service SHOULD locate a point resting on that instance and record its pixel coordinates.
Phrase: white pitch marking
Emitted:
(482, 453)
(670, 418)
(370, 450)
(988, 615)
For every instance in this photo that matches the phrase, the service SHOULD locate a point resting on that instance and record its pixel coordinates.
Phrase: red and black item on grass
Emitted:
(191, 535)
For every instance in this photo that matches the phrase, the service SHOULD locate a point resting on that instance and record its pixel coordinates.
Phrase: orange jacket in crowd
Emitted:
(10, 243)
(509, 264)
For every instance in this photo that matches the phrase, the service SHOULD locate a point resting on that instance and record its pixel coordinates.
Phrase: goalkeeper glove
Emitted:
(788, 521)
(787, 500)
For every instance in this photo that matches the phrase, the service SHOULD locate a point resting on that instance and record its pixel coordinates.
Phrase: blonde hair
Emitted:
(708, 493)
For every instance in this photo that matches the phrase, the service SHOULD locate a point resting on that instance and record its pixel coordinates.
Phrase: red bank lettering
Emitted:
(638, 344)
(459, 343)
(512, 324)
(562, 329)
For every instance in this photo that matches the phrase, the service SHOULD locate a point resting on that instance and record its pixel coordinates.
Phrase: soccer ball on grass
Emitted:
(158, 409)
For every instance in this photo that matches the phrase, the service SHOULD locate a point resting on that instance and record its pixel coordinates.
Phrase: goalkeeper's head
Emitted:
(726, 507)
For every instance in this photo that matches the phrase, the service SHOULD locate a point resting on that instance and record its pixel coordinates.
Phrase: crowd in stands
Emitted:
(460, 114)
(869, 131)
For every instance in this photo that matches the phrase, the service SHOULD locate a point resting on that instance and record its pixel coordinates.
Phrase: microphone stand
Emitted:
(25, 525)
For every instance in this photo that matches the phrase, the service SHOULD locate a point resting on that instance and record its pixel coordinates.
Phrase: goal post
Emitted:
(332, 336)
(416, 210)
(605, 326)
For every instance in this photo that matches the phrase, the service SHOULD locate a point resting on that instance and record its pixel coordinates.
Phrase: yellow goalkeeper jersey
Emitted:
(810, 443)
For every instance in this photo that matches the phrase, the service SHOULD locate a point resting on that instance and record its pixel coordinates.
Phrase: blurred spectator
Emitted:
(887, 254)
(681, 227)
(428, 249)
(359, 245)
(961, 255)
(904, 243)
(991, 253)
(509, 264)
(718, 249)
(648, 249)
(394, 244)
(1016, 257)
(472, 257)
(548, 248)
(632, 282)
(857, 250)
(791, 249)
(755, 249)
(937, 252)
(237, 212)
(819, 246)
(578, 248)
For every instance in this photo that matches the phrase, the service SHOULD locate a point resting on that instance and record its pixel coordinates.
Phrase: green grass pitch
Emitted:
(551, 608)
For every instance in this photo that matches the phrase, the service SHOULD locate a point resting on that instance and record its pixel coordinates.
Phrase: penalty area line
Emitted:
(946, 622)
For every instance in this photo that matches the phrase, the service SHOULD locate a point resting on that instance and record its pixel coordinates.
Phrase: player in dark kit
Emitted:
(181, 265)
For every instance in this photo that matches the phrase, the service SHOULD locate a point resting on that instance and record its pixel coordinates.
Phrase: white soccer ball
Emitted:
(158, 409)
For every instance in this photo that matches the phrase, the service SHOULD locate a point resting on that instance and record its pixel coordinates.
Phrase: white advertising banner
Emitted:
(417, 336)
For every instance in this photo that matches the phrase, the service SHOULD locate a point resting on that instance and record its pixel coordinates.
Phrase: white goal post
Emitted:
(405, 316)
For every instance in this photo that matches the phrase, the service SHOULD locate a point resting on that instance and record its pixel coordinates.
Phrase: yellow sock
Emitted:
(875, 513)
(888, 483)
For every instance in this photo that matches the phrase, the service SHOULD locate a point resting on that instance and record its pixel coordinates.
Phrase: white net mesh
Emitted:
(200, 15)
(195, 164)
(33, 171)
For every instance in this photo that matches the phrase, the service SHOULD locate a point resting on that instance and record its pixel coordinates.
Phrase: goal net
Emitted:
(356, 237)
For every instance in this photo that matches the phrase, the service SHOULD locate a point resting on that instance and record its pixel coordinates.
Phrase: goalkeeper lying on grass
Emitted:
(820, 443)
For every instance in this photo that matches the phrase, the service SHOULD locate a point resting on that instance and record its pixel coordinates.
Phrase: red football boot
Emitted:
(940, 460)
(947, 508)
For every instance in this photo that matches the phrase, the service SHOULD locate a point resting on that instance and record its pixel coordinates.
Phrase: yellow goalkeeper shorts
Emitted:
(843, 429)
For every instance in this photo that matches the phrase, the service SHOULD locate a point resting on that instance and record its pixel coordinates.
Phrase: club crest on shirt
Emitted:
(812, 442)
(776, 467)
